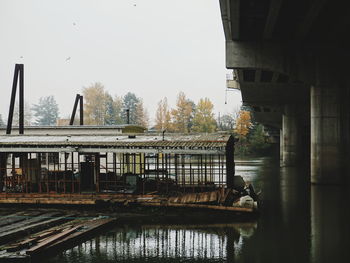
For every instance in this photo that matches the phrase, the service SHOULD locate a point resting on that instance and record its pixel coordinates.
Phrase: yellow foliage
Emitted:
(163, 115)
(243, 123)
(204, 120)
(181, 116)
(94, 104)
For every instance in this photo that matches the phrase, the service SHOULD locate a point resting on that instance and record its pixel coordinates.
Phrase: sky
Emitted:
(153, 48)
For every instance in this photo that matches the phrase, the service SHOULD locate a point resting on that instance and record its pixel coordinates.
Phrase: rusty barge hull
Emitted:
(204, 201)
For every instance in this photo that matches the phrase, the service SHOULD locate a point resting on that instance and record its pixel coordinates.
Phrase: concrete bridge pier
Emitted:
(326, 140)
(291, 137)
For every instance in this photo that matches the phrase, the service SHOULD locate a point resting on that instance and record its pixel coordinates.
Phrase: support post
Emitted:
(21, 99)
(326, 156)
(291, 136)
(127, 116)
(13, 98)
(77, 98)
(230, 162)
(81, 110)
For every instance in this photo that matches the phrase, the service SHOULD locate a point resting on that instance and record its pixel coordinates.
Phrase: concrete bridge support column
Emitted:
(326, 141)
(281, 146)
(291, 136)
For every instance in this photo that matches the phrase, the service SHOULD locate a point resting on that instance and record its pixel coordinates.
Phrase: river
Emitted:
(298, 223)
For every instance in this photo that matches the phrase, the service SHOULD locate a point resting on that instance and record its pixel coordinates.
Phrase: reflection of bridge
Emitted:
(289, 58)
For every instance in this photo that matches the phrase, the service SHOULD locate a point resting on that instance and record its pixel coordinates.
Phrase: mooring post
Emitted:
(230, 162)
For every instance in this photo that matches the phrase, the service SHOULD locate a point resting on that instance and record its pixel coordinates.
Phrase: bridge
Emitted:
(290, 59)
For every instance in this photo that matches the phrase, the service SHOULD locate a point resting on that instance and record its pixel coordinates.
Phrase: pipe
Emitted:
(21, 99)
(77, 98)
(81, 110)
(12, 101)
(127, 116)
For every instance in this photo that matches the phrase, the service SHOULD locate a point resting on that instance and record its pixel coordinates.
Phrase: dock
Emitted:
(33, 233)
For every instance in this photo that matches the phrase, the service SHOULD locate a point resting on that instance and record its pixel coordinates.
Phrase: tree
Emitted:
(181, 116)
(28, 115)
(204, 120)
(46, 111)
(243, 123)
(2, 123)
(257, 140)
(163, 115)
(95, 104)
(130, 102)
(118, 109)
(227, 122)
(141, 117)
(110, 116)
(190, 119)
(114, 107)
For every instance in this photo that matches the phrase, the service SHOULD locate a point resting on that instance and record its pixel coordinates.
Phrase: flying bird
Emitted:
(67, 59)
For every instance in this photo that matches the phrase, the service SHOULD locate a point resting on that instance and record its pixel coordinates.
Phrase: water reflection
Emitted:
(298, 223)
(201, 243)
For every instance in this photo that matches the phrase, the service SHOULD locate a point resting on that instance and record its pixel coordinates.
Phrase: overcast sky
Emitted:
(154, 48)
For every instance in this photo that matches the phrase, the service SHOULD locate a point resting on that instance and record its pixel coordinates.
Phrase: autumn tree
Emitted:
(163, 115)
(95, 104)
(130, 102)
(242, 128)
(204, 120)
(46, 111)
(182, 114)
(141, 114)
(118, 109)
(243, 123)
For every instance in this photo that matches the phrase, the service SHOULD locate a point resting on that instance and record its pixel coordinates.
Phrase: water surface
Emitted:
(298, 223)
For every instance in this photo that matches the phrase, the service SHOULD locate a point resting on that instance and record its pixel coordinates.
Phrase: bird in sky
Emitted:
(67, 59)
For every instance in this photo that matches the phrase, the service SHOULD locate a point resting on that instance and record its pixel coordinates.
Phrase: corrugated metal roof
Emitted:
(79, 127)
(119, 141)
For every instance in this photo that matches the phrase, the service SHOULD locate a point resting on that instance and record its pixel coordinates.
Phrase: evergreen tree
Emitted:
(46, 111)
(2, 123)
(257, 140)
(110, 116)
(130, 102)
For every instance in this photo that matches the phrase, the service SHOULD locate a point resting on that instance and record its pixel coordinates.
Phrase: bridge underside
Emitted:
(290, 60)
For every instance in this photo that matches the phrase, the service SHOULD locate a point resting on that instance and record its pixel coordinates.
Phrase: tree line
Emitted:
(101, 108)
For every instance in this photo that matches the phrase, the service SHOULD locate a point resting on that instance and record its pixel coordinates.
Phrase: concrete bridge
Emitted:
(290, 58)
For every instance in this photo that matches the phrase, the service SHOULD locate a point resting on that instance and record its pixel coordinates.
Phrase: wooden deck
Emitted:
(30, 234)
